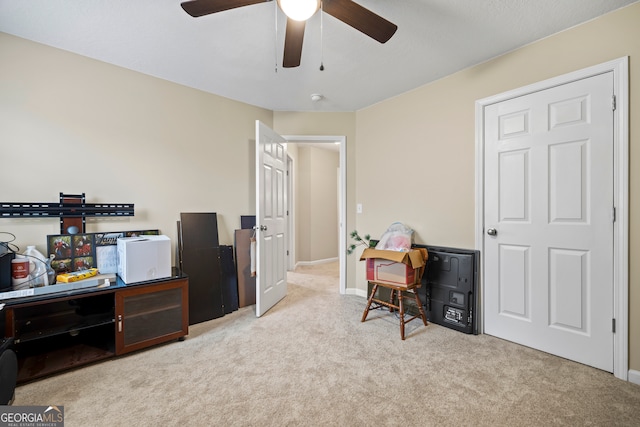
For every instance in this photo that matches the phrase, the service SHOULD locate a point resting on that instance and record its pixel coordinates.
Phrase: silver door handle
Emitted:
(260, 227)
(492, 232)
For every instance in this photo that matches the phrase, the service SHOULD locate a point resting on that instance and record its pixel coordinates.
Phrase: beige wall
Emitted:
(72, 124)
(415, 152)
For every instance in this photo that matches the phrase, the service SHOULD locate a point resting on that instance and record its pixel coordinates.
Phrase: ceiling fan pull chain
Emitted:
(275, 36)
(321, 36)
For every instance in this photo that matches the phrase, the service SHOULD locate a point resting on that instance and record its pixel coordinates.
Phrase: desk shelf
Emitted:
(33, 322)
(68, 328)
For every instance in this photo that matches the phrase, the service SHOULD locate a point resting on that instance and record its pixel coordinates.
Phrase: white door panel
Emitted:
(514, 282)
(271, 161)
(514, 186)
(549, 196)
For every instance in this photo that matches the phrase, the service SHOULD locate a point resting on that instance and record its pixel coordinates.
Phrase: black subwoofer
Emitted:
(8, 371)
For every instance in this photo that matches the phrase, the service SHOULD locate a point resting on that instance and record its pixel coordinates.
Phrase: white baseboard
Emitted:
(634, 376)
(358, 292)
(317, 262)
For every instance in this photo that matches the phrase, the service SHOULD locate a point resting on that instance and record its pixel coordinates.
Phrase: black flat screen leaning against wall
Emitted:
(449, 288)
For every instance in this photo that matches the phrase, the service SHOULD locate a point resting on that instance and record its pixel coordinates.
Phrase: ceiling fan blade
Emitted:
(293, 43)
(197, 8)
(360, 18)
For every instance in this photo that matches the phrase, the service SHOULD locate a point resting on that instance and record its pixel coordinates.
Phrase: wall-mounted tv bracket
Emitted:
(71, 209)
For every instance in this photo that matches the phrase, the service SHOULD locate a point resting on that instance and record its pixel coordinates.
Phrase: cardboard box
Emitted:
(144, 258)
(394, 267)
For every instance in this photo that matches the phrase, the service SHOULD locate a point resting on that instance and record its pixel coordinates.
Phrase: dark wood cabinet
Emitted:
(55, 332)
(150, 315)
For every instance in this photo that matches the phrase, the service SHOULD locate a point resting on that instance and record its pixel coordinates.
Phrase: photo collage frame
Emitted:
(76, 252)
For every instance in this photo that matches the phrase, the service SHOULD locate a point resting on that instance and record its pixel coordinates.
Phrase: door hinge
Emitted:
(613, 102)
(613, 214)
(287, 253)
(613, 325)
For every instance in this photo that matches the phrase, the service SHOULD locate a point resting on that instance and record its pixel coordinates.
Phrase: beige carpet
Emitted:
(311, 362)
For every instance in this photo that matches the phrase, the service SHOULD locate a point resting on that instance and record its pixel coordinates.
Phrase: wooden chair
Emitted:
(403, 291)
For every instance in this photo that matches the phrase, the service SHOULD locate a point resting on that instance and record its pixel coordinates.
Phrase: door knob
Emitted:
(263, 228)
(492, 232)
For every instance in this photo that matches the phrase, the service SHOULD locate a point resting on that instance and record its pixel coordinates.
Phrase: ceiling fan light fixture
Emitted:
(299, 10)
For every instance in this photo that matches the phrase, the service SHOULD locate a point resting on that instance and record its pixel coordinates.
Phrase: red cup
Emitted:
(19, 268)
(20, 273)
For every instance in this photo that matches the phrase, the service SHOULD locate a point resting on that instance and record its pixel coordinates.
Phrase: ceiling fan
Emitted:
(347, 11)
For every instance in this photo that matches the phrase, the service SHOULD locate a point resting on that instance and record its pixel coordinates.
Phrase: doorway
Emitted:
(517, 304)
(338, 142)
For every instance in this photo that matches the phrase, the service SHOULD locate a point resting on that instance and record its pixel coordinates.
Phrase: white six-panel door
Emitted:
(271, 217)
(548, 247)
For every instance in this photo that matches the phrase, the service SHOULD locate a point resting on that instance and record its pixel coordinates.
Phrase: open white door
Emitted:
(271, 217)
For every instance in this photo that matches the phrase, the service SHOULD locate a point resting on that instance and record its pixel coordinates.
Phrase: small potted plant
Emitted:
(364, 241)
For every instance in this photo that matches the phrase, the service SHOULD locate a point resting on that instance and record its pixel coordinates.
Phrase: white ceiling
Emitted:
(234, 53)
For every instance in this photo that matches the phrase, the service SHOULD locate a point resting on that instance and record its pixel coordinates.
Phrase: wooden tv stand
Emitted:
(64, 330)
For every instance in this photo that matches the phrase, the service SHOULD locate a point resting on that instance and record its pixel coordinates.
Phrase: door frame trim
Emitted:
(620, 69)
(342, 241)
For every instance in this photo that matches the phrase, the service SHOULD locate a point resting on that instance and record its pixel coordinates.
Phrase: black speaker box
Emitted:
(8, 371)
(5, 271)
